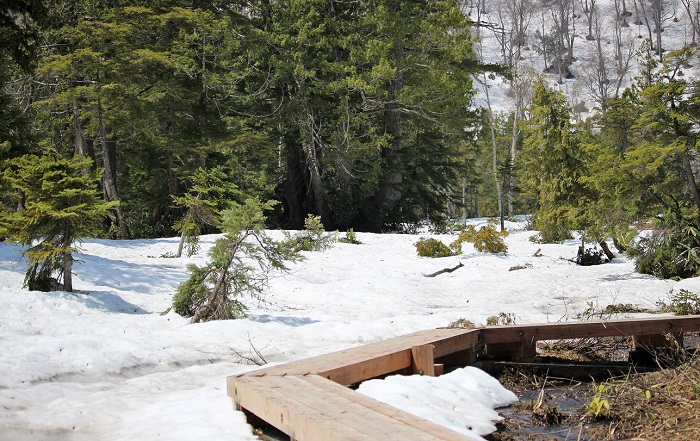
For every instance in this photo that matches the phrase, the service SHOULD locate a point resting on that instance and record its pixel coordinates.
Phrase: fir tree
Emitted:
(553, 164)
(239, 264)
(59, 206)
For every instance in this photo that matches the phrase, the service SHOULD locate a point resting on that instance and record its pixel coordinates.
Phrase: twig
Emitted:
(446, 270)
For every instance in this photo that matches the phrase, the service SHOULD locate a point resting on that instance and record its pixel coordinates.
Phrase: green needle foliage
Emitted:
(60, 205)
(239, 264)
(209, 194)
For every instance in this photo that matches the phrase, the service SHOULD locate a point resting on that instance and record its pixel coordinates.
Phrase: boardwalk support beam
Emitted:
(309, 400)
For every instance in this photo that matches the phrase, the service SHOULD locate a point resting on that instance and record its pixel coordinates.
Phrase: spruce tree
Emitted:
(59, 205)
(553, 164)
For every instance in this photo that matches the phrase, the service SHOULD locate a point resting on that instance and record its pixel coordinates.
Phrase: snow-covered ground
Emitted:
(105, 364)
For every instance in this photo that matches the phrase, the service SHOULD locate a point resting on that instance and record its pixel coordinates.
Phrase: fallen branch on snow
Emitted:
(446, 270)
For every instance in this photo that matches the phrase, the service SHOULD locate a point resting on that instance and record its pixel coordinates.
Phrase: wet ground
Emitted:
(552, 412)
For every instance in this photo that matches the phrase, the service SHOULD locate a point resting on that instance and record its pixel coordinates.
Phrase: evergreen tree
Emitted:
(553, 164)
(239, 265)
(371, 100)
(60, 206)
(615, 203)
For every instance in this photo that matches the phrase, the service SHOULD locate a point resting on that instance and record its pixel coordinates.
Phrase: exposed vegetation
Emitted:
(682, 302)
(312, 238)
(657, 405)
(350, 237)
(239, 265)
(430, 247)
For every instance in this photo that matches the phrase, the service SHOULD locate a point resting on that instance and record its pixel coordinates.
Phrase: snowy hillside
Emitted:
(596, 62)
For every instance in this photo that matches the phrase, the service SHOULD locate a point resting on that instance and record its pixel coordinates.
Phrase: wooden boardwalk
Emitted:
(309, 399)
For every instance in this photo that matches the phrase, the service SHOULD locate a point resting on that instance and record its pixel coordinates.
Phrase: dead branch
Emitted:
(446, 270)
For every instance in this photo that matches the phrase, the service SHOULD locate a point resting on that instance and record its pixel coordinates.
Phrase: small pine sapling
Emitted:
(313, 237)
(486, 240)
(61, 205)
(240, 263)
(350, 237)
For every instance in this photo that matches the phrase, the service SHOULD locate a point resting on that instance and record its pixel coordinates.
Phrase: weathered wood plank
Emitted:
(361, 363)
(423, 360)
(434, 430)
(318, 410)
(605, 328)
(290, 414)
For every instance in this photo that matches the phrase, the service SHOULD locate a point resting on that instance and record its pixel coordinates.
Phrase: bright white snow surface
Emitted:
(105, 364)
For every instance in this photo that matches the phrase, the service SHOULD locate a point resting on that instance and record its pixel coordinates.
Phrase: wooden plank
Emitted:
(439, 369)
(361, 363)
(361, 370)
(515, 351)
(350, 406)
(289, 414)
(430, 428)
(650, 341)
(605, 328)
(308, 410)
(422, 360)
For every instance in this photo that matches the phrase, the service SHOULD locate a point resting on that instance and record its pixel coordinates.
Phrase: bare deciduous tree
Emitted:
(654, 14)
(589, 7)
(692, 10)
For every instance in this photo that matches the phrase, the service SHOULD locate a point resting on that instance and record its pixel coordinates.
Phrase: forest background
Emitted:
(370, 115)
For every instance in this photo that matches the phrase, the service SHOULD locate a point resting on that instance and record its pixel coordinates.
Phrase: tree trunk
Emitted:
(691, 178)
(81, 145)
(109, 180)
(494, 146)
(389, 193)
(67, 271)
(181, 245)
(293, 187)
(313, 163)
(606, 250)
(620, 248)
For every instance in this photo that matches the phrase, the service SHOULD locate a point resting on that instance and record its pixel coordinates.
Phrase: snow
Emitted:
(105, 363)
(463, 400)
(677, 32)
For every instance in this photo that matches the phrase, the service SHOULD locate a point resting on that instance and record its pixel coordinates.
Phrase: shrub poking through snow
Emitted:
(668, 254)
(485, 240)
(502, 319)
(589, 256)
(429, 247)
(350, 237)
(239, 264)
(683, 302)
(313, 237)
(461, 323)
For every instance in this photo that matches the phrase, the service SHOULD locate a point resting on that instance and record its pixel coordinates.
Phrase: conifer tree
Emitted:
(60, 206)
(208, 195)
(553, 164)
(239, 264)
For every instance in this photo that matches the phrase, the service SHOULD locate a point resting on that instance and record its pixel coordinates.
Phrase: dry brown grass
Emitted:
(662, 405)
(587, 349)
